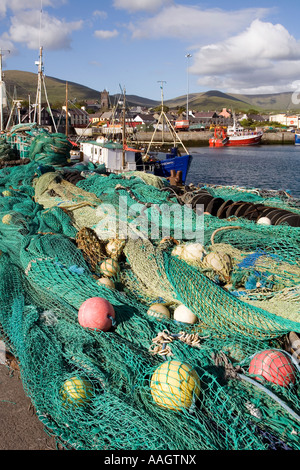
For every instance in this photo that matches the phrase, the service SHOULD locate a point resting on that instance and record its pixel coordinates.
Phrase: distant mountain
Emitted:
(215, 100)
(210, 101)
(21, 84)
(281, 102)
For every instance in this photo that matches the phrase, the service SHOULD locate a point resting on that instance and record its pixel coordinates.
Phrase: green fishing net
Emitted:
(150, 382)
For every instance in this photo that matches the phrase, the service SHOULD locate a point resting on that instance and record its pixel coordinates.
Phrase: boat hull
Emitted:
(236, 141)
(182, 163)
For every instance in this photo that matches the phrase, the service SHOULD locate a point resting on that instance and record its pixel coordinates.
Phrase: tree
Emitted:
(159, 108)
(180, 110)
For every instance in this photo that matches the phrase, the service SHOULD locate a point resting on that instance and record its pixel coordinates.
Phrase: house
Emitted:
(78, 117)
(226, 114)
(93, 105)
(143, 119)
(206, 115)
(285, 120)
(257, 117)
(95, 117)
(46, 119)
(106, 116)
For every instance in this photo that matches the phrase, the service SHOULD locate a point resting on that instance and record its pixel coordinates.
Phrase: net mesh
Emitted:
(150, 381)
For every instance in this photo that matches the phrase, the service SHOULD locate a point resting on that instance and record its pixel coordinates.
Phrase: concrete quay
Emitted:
(201, 138)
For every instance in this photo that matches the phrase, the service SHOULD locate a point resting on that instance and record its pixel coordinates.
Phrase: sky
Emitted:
(146, 46)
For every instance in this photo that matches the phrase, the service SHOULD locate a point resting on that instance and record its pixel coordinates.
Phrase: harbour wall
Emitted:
(201, 138)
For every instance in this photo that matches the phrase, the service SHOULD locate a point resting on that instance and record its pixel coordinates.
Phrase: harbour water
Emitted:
(265, 166)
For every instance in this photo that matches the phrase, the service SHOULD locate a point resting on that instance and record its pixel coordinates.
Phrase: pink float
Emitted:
(96, 313)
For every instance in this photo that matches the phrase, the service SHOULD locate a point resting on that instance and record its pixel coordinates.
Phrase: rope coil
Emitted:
(160, 344)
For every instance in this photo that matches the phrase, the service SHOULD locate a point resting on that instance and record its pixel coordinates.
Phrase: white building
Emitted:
(286, 120)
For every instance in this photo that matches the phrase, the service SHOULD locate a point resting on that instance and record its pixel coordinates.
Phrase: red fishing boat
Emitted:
(234, 137)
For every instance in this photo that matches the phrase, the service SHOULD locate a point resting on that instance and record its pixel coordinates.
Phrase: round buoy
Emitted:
(220, 262)
(6, 193)
(96, 313)
(274, 366)
(110, 267)
(184, 315)
(174, 385)
(77, 391)
(114, 248)
(159, 311)
(106, 282)
(264, 221)
(192, 252)
(7, 219)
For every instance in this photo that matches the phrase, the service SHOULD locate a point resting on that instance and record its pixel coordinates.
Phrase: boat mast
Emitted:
(163, 118)
(67, 111)
(38, 108)
(123, 130)
(162, 105)
(1, 92)
(188, 56)
(41, 81)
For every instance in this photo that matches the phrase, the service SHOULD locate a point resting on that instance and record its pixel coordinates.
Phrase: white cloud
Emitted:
(188, 23)
(17, 5)
(54, 33)
(105, 34)
(100, 14)
(248, 62)
(7, 45)
(137, 5)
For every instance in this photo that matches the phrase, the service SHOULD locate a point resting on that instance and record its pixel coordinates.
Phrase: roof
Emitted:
(108, 145)
(206, 114)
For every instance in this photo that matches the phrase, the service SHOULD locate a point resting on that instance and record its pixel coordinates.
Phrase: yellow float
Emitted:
(6, 193)
(110, 267)
(7, 219)
(106, 282)
(159, 311)
(114, 248)
(175, 385)
(77, 391)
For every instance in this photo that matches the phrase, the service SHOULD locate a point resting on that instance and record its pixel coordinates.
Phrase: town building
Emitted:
(286, 120)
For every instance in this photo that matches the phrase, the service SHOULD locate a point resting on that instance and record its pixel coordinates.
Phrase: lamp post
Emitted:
(188, 56)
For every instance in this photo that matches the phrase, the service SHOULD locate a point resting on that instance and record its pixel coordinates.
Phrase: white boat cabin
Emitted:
(108, 153)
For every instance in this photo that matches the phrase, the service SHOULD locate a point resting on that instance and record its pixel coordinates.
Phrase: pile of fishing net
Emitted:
(50, 149)
(6, 152)
(191, 355)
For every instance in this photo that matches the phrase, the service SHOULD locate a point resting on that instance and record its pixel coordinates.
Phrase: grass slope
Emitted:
(21, 84)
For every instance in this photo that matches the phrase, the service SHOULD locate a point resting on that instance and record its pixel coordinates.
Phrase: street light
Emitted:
(188, 56)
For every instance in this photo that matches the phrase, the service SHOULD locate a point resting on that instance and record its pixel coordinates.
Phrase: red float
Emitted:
(96, 313)
(274, 366)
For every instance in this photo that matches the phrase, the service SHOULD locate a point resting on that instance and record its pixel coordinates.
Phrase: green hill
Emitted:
(211, 101)
(22, 84)
(279, 102)
(215, 100)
